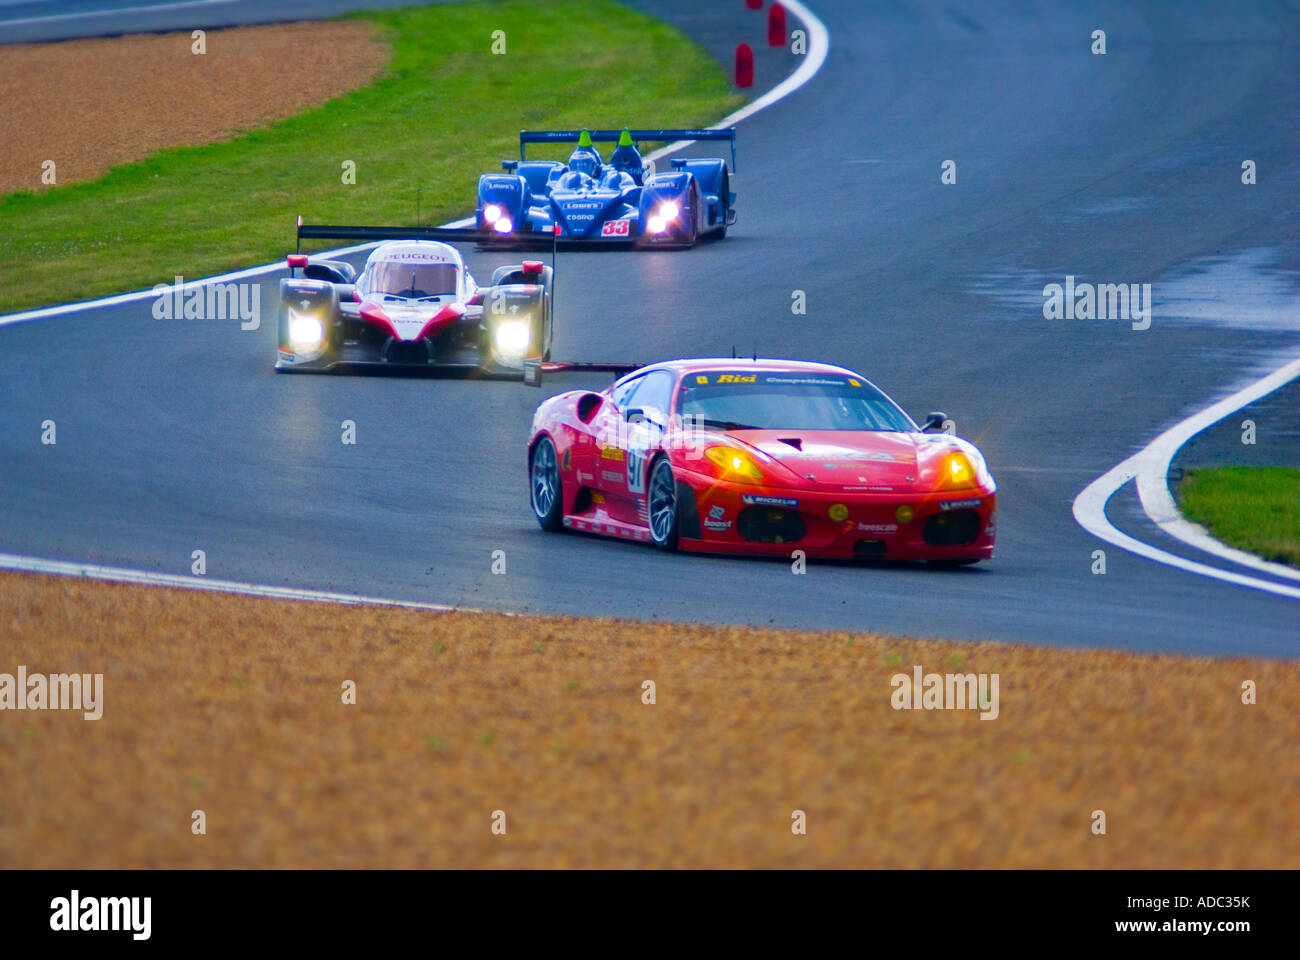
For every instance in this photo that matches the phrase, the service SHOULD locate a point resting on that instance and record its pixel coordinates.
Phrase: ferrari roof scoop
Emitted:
(795, 442)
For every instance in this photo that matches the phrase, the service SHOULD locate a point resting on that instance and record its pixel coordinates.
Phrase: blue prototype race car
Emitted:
(624, 200)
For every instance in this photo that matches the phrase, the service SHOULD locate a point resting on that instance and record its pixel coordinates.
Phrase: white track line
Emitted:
(818, 47)
(117, 11)
(90, 571)
(66, 308)
(1153, 471)
(1150, 466)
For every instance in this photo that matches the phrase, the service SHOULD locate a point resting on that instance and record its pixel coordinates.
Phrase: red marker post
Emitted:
(744, 65)
(776, 32)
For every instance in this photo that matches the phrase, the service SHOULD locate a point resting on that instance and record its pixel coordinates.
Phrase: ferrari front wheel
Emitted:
(662, 506)
(545, 486)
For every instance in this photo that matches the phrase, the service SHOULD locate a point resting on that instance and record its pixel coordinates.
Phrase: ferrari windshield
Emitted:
(767, 400)
(412, 281)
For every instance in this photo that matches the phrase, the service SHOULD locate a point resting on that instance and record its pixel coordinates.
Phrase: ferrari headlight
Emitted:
(955, 470)
(735, 464)
(492, 213)
(305, 331)
(668, 210)
(512, 337)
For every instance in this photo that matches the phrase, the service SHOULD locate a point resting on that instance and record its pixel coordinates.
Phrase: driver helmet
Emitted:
(584, 161)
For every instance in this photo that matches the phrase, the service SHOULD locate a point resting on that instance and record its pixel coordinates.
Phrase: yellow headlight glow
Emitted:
(904, 514)
(956, 471)
(734, 461)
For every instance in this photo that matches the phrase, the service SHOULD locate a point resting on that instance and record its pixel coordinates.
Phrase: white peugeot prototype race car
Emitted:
(414, 305)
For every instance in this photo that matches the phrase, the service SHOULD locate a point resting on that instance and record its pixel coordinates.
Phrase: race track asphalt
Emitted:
(176, 435)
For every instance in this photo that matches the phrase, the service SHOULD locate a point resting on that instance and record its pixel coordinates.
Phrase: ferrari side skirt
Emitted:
(607, 527)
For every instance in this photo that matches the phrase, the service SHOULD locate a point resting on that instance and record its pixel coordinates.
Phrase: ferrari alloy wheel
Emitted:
(663, 505)
(544, 477)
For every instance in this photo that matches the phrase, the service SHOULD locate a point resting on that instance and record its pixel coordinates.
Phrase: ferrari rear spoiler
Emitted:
(321, 231)
(533, 369)
(611, 136)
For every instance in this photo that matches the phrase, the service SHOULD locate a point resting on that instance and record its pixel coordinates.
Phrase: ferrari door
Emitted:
(628, 440)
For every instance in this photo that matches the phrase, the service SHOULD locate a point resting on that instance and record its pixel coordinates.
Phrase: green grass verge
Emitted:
(1254, 508)
(446, 110)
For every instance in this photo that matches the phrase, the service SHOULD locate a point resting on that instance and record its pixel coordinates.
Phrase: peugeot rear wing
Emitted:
(334, 231)
(321, 231)
(611, 136)
(533, 369)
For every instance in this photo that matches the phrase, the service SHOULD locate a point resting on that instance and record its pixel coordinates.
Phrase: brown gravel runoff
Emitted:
(233, 706)
(90, 104)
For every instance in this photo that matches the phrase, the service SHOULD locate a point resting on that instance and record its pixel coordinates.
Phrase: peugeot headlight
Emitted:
(668, 210)
(502, 224)
(512, 337)
(305, 331)
(492, 213)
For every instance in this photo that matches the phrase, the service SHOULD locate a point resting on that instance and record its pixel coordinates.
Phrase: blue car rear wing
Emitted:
(612, 136)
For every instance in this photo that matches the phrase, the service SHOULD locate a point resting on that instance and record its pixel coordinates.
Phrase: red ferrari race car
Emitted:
(734, 456)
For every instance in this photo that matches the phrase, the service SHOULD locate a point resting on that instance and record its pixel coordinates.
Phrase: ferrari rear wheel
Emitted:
(662, 507)
(546, 491)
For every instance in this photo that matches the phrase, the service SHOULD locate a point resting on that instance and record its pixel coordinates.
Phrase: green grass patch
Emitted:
(445, 110)
(1254, 508)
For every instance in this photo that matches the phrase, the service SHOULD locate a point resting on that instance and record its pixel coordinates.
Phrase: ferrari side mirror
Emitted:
(648, 416)
(934, 421)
